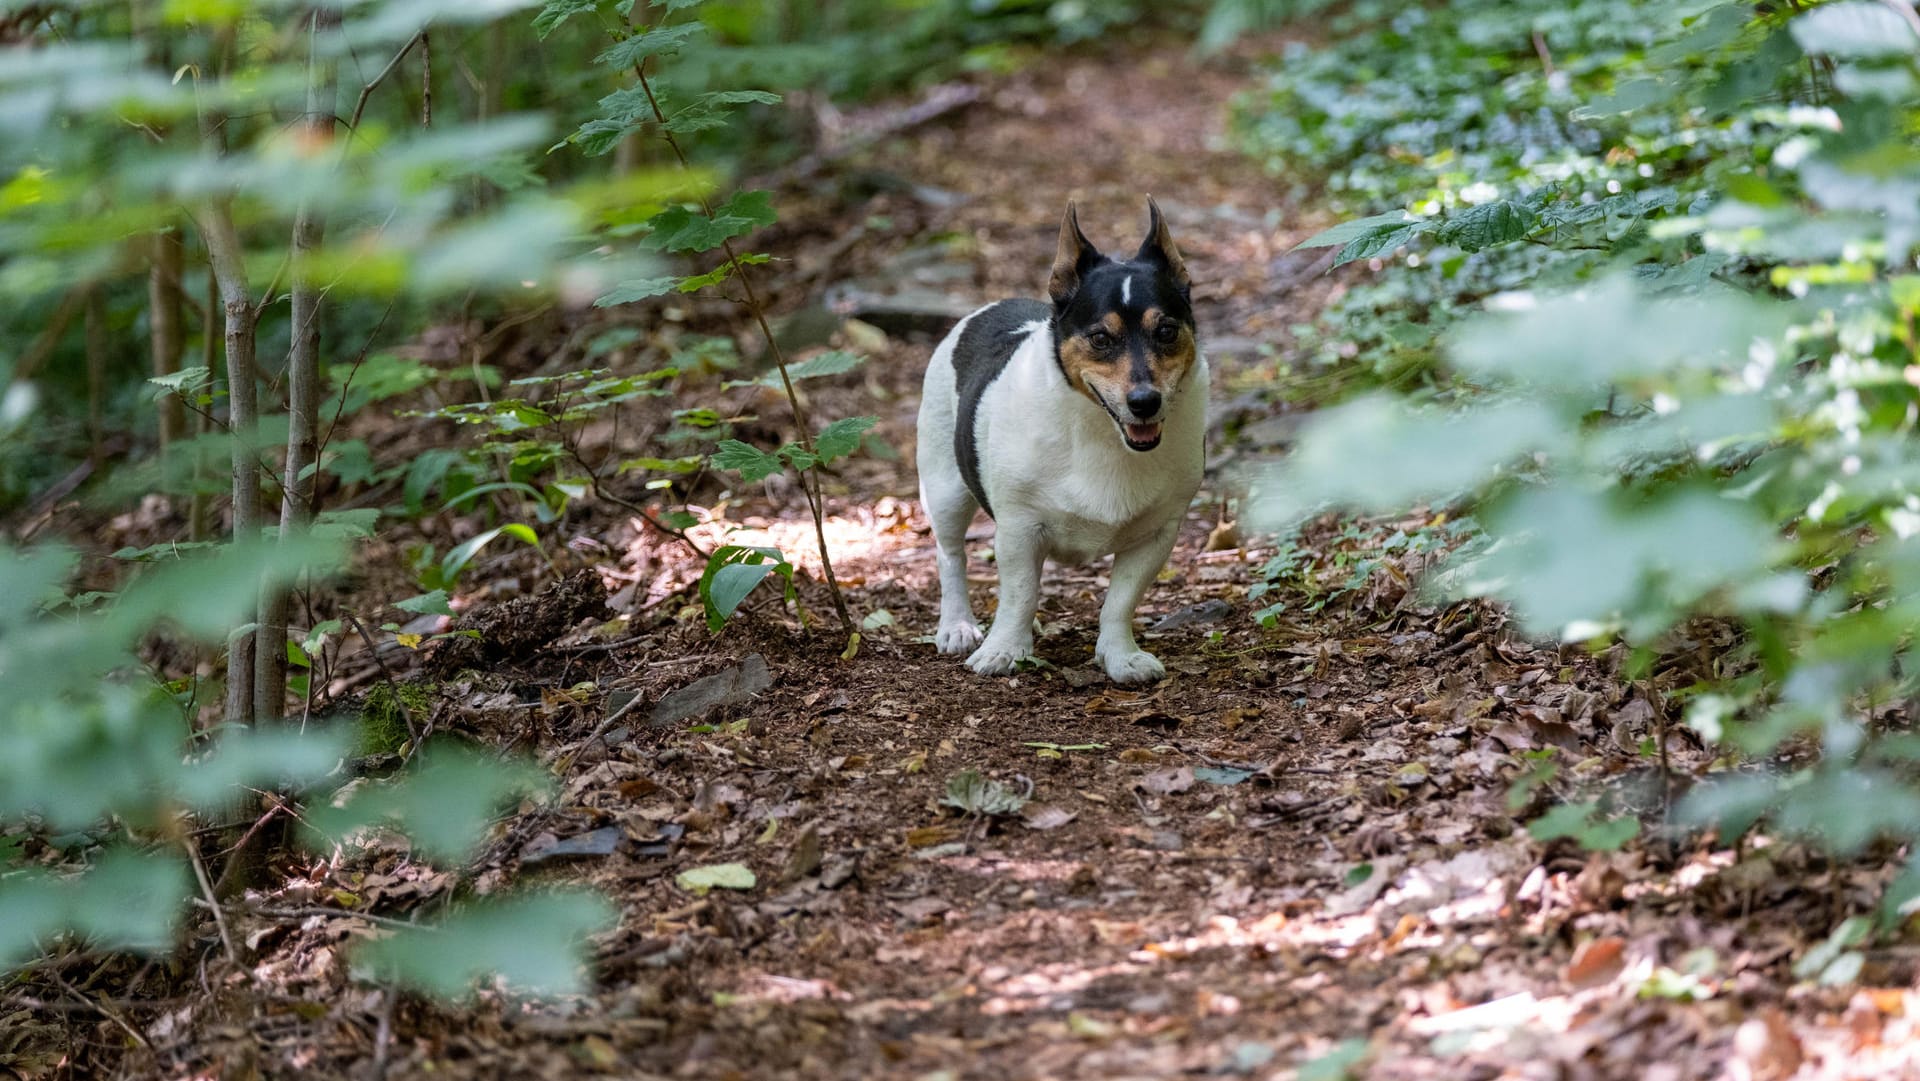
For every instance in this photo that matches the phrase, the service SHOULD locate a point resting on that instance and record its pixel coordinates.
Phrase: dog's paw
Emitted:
(996, 659)
(957, 637)
(1137, 666)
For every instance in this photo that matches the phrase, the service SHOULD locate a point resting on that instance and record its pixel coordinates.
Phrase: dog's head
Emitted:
(1124, 328)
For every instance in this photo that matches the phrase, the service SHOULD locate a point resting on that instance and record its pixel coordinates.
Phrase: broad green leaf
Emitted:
(430, 603)
(1487, 225)
(842, 437)
(445, 805)
(731, 584)
(125, 901)
(713, 109)
(751, 463)
(1583, 823)
(456, 560)
(1569, 556)
(1610, 333)
(638, 289)
(679, 229)
(558, 11)
(1347, 232)
(1855, 29)
(536, 944)
(261, 758)
(659, 41)
(1379, 454)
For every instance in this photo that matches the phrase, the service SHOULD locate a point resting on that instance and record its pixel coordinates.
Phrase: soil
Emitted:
(1307, 846)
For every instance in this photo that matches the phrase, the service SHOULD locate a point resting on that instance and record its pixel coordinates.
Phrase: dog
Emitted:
(1079, 426)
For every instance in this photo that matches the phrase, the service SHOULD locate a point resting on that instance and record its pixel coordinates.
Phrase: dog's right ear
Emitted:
(1072, 260)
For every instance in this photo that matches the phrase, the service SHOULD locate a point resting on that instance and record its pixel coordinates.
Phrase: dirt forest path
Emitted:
(1302, 837)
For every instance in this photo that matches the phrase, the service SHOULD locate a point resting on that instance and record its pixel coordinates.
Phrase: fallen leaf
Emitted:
(1218, 775)
(1167, 782)
(1042, 817)
(1767, 1046)
(1597, 961)
(1089, 1028)
(723, 876)
(928, 836)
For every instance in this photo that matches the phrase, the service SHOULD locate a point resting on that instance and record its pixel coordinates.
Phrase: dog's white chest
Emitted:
(1051, 457)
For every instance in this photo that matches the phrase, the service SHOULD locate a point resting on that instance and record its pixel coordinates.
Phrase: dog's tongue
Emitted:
(1143, 433)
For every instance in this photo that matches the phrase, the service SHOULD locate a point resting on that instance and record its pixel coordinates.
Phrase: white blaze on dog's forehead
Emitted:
(1126, 289)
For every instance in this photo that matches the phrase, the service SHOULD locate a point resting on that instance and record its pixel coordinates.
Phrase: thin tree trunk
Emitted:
(166, 265)
(97, 346)
(303, 386)
(197, 529)
(230, 274)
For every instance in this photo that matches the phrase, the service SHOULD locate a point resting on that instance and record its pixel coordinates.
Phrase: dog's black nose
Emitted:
(1144, 401)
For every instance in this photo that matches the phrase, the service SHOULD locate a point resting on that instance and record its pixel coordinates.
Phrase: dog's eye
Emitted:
(1166, 333)
(1100, 340)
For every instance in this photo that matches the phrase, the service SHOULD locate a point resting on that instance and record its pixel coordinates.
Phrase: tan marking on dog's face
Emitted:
(1168, 360)
(1086, 366)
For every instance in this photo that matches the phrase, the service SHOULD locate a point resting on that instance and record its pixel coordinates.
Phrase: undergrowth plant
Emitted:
(698, 225)
(1698, 403)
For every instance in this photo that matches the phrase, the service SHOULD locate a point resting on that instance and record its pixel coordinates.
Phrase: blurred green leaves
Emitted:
(533, 942)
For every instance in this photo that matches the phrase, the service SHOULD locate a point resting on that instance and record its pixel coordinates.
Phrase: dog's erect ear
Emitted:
(1159, 246)
(1071, 262)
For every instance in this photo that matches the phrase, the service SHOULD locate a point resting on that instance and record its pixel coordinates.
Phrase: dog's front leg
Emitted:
(1133, 571)
(1019, 549)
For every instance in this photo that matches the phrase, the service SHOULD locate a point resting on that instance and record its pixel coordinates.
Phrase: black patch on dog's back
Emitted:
(981, 354)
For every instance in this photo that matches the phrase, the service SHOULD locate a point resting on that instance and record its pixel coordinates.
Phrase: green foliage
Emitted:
(1661, 288)
(1836, 961)
(732, 572)
(533, 942)
(1586, 826)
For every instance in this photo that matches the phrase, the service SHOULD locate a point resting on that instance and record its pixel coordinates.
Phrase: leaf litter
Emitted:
(1323, 874)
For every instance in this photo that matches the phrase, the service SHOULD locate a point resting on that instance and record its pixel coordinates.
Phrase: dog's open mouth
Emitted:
(1141, 436)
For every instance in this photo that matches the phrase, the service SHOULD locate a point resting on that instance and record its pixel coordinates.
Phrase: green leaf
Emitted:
(1379, 454)
(1486, 225)
(751, 463)
(731, 573)
(456, 560)
(1855, 30)
(445, 804)
(559, 11)
(717, 876)
(536, 944)
(126, 901)
(1582, 823)
(638, 289)
(679, 229)
(433, 603)
(731, 584)
(842, 437)
(1347, 232)
(712, 110)
(659, 41)
(1610, 333)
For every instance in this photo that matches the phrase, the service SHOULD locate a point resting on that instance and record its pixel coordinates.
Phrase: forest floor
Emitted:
(1298, 849)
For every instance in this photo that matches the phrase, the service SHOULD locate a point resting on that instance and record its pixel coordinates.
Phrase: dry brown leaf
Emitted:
(1042, 817)
(1597, 961)
(1167, 782)
(928, 836)
(1766, 1046)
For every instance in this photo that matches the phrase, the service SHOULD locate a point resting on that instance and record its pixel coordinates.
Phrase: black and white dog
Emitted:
(1079, 426)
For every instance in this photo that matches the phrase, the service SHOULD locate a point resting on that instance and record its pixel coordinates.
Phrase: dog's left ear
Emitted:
(1159, 247)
